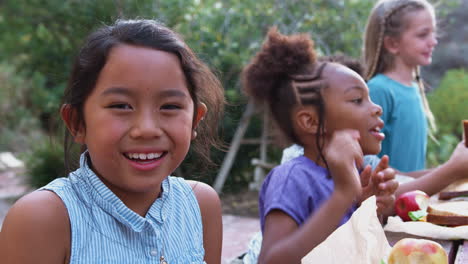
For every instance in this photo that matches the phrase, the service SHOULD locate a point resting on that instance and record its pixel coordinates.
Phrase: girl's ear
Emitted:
(201, 112)
(69, 115)
(307, 120)
(392, 45)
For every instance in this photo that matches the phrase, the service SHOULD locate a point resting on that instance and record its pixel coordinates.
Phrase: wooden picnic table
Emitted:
(462, 253)
(457, 250)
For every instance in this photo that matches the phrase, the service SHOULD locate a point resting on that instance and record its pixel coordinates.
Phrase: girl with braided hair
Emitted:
(304, 200)
(399, 38)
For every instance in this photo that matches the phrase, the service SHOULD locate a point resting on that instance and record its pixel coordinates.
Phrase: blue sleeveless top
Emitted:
(105, 230)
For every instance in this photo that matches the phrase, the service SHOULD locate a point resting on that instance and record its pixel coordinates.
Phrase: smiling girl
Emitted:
(399, 38)
(324, 107)
(136, 99)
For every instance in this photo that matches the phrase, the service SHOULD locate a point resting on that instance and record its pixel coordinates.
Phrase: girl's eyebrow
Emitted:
(129, 92)
(349, 89)
(172, 93)
(117, 90)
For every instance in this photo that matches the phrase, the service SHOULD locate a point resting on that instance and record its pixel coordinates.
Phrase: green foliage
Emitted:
(449, 106)
(41, 37)
(439, 152)
(18, 127)
(449, 102)
(45, 163)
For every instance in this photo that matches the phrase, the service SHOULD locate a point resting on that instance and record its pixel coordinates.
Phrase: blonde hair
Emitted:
(389, 18)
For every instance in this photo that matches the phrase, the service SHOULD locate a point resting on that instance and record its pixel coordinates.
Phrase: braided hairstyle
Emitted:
(285, 74)
(348, 61)
(390, 18)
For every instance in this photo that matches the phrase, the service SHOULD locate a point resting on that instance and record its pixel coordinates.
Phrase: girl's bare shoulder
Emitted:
(38, 224)
(206, 196)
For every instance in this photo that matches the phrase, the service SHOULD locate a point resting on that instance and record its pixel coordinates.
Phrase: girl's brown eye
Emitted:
(170, 107)
(121, 106)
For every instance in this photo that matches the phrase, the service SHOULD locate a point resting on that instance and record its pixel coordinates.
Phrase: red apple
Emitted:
(417, 251)
(412, 202)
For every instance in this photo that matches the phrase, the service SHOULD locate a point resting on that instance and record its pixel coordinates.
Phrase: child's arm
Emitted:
(210, 207)
(438, 178)
(415, 174)
(286, 242)
(36, 230)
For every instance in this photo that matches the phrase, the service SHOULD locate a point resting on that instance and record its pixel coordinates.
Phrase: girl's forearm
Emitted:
(314, 231)
(415, 174)
(432, 182)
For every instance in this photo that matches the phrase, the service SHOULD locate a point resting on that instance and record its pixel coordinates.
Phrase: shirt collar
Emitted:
(111, 204)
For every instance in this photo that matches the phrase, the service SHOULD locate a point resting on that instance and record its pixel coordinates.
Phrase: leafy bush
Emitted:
(449, 102)
(439, 152)
(449, 105)
(45, 163)
(19, 126)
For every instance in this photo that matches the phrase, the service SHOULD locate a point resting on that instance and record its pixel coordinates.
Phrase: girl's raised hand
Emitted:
(343, 153)
(459, 160)
(381, 183)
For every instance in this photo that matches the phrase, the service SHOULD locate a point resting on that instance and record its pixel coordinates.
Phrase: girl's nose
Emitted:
(434, 40)
(146, 126)
(377, 110)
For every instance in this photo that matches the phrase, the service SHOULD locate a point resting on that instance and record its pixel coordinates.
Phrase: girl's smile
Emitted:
(138, 120)
(375, 131)
(145, 161)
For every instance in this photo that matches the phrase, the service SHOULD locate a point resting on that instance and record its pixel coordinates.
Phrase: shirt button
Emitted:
(154, 252)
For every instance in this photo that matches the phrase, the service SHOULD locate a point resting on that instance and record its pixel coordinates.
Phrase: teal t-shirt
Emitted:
(405, 122)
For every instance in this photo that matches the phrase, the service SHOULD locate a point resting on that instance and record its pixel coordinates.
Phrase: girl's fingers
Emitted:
(384, 176)
(385, 200)
(388, 174)
(365, 175)
(388, 187)
(388, 184)
(383, 164)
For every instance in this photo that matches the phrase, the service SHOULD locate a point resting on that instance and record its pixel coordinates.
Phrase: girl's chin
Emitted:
(371, 151)
(426, 62)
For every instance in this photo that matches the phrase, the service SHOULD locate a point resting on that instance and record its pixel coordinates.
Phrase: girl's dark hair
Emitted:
(284, 74)
(345, 60)
(202, 83)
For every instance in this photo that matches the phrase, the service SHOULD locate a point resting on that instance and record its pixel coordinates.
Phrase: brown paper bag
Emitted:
(360, 240)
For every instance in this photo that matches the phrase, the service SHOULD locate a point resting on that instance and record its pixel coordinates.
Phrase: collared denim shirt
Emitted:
(105, 230)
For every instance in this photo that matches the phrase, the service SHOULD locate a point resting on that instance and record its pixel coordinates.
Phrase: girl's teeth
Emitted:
(143, 156)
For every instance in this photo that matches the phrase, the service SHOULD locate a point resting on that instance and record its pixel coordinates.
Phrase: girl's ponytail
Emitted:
(427, 110)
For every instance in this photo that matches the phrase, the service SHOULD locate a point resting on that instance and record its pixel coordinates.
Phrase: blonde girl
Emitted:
(400, 37)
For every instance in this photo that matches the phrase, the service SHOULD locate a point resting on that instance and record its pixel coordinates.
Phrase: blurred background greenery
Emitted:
(39, 38)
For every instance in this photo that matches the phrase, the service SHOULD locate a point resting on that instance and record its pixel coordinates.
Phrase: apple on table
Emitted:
(417, 251)
(412, 205)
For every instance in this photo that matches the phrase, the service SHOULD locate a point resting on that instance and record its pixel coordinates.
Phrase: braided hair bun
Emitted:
(280, 57)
